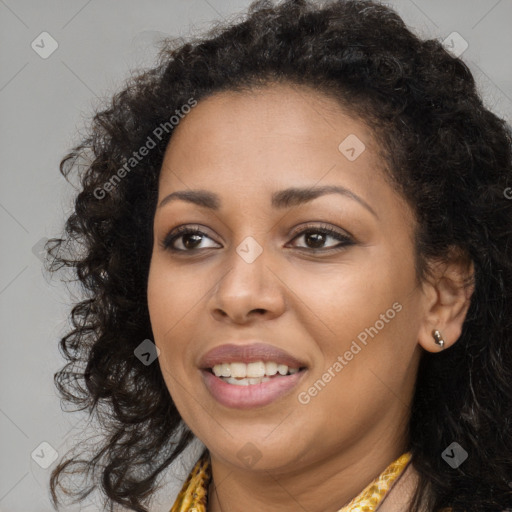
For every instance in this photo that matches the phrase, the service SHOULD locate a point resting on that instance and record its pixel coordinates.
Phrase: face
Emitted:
(326, 277)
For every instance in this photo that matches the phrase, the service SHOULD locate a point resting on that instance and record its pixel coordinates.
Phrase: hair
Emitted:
(446, 154)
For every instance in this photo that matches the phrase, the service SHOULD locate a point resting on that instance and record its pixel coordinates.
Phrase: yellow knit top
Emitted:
(193, 496)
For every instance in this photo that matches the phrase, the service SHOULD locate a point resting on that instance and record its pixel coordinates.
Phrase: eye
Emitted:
(188, 239)
(316, 237)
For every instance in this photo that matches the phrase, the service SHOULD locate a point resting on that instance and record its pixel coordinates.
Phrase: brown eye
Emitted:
(188, 238)
(315, 238)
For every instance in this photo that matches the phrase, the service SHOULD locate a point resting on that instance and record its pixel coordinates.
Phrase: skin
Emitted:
(313, 304)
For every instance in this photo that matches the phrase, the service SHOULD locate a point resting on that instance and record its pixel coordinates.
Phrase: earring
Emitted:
(438, 338)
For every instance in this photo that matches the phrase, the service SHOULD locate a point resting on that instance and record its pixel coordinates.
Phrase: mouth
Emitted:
(254, 375)
(251, 374)
(252, 392)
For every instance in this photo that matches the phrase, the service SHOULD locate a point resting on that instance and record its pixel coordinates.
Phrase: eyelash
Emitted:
(345, 240)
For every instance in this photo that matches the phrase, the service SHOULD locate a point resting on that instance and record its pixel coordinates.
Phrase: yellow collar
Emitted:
(193, 495)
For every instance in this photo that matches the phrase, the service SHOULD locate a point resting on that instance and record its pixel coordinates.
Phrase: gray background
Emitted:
(44, 103)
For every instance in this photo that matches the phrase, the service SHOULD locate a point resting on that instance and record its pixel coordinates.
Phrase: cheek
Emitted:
(365, 313)
(167, 304)
(171, 295)
(349, 297)
(175, 300)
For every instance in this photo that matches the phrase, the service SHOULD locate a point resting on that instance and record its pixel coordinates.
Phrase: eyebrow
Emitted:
(286, 198)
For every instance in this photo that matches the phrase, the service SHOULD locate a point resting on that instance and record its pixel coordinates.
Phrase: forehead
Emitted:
(272, 110)
(244, 147)
(284, 128)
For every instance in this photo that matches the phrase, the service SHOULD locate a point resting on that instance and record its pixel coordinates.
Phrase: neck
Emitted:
(324, 485)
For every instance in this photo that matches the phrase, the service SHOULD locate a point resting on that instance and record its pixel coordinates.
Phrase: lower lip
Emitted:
(253, 395)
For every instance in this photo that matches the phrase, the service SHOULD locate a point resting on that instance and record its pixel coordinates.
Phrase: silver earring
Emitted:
(438, 338)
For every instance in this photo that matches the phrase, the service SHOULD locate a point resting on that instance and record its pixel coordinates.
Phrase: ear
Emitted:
(447, 295)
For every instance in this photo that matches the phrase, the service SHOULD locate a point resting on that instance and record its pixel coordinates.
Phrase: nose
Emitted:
(248, 290)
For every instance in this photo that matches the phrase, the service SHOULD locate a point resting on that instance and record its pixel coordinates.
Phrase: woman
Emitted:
(306, 212)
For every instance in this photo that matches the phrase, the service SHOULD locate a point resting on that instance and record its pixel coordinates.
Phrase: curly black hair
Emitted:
(448, 155)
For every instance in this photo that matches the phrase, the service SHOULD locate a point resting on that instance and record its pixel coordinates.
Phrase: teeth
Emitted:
(245, 382)
(255, 370)
(238, 370)
(225, 370)
(270, 368)
(282, 369)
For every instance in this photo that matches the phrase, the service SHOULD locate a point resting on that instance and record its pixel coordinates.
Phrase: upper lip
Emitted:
(249, 353)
